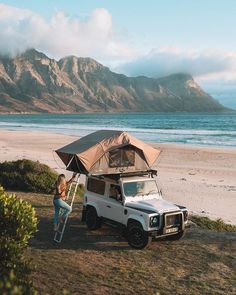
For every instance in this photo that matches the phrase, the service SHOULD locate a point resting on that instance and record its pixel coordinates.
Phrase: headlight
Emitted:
(154, 221)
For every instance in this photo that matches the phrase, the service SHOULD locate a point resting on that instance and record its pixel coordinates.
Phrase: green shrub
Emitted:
(17, 225)
(27, 175)
(80, 191)
(216, 225)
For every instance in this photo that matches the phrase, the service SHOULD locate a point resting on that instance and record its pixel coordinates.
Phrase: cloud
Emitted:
(21, 29)
(62, 35)
(161, 62)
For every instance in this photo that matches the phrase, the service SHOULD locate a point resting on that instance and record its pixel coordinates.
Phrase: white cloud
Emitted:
(165, 61)
(21, 29)
(62, 35)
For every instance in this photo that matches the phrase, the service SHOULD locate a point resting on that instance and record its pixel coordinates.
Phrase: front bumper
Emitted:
(170, 224)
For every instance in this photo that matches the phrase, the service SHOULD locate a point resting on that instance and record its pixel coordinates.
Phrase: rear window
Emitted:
(96, 186)
(123, 157)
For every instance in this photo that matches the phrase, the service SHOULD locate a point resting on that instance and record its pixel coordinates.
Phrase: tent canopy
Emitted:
(108, 152)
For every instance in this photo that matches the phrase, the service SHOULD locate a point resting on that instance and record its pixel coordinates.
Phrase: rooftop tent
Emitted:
(108, 152)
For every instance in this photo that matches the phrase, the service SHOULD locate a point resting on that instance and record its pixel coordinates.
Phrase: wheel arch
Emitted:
(94, 205)
(139, 219)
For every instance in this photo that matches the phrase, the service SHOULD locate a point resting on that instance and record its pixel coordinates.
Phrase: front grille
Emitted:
(173, 219)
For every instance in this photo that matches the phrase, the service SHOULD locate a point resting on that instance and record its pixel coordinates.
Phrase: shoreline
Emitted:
(164, 145)
(226, 110)
(200, 178)
(212, 130)
(161, 144)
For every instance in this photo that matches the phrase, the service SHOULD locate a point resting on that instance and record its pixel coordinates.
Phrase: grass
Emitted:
(215, 225)
(101, 262)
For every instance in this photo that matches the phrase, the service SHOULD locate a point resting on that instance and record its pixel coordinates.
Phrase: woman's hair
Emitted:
(60, 178)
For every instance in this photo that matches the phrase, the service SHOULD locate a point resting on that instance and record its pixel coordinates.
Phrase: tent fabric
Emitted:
(106, 152)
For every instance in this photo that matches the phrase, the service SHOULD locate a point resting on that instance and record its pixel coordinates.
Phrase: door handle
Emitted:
(108, 206)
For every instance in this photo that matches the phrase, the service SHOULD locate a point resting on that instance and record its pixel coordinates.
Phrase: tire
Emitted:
(92, 220)
(137, 237)
(177, 236)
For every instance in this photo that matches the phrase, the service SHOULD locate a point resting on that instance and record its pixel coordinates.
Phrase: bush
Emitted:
(27, 175)
(17, 224)
(216, 225)
(80, 191)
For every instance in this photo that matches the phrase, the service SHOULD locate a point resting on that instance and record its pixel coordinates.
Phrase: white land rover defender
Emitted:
(134, 202)
(121, 187)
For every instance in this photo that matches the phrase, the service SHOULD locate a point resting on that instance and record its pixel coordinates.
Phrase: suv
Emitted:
(134, 202)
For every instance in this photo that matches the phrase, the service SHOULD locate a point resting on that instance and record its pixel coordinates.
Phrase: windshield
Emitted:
(139, 188)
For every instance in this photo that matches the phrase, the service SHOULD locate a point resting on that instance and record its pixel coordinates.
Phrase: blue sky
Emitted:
(190, 23)
(153, 38)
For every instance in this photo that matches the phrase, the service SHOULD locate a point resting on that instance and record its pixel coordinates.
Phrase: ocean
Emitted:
(205, 129)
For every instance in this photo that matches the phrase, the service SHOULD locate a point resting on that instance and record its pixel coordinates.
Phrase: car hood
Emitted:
(158, 205)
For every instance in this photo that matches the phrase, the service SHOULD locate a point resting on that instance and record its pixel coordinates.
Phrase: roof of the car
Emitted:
(135, 178)
(123, 178)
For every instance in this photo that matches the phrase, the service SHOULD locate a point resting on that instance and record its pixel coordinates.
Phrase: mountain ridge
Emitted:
(33, 82)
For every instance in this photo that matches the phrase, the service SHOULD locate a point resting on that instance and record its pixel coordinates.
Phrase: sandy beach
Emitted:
(201, 178)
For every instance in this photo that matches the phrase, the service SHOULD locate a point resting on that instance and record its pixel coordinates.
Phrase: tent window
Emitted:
(96, 186)
(123, 157)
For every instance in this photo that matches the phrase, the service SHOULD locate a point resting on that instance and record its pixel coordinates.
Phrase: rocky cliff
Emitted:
(32, 82)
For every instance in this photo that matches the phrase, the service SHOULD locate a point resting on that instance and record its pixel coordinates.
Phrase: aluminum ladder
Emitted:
(70, 194)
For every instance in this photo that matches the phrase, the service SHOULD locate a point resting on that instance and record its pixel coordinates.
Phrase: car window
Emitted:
(136, 188)
(96, 186)
(115, 192)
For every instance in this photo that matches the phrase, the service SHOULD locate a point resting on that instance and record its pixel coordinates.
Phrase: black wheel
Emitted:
(177, 236)
(92, 220)
(137, 237)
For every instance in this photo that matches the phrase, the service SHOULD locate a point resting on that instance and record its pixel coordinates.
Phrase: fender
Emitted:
(139, 219)
(93, 204)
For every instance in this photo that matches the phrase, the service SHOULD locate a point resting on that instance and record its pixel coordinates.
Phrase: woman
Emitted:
(59, 200)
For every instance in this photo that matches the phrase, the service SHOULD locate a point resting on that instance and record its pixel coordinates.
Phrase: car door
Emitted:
(112, 206)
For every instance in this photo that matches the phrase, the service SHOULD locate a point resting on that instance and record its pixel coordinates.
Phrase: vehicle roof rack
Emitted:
(117, 176)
